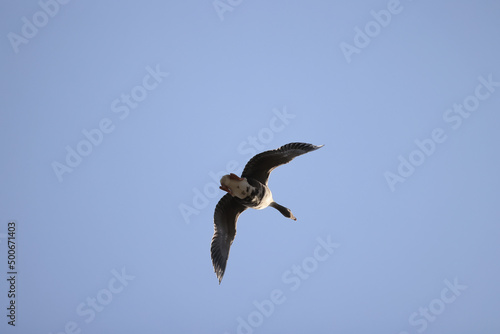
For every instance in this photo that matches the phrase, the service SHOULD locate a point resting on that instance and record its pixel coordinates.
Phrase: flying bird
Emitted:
(248, 191)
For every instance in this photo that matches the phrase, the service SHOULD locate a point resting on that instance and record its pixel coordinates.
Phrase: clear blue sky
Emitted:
(118, 119)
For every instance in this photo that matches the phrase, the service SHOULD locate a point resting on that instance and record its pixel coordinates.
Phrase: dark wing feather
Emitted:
(225, 217)
(261, 165)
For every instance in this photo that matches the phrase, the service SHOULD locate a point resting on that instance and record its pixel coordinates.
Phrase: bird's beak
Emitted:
(235, 177)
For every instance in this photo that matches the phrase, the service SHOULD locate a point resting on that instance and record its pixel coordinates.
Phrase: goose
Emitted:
(248, 191)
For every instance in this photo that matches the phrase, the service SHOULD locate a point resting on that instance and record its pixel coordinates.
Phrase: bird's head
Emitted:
(235, 185)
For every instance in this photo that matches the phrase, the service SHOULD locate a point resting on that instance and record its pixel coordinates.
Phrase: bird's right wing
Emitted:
(261, 165)
(225, 218)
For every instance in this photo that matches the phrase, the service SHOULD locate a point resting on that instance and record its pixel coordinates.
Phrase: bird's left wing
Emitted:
(225, 217)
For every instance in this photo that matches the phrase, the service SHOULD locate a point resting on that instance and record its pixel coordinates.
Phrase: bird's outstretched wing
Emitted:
(225, 217)
(261, 165)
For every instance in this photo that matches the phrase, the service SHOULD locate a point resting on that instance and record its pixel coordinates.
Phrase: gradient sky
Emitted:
(119, 118)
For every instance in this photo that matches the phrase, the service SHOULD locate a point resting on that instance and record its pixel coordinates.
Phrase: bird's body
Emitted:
(263, 198)
(248, 191)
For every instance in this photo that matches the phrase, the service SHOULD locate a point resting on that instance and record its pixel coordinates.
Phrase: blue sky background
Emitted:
(140, 204)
